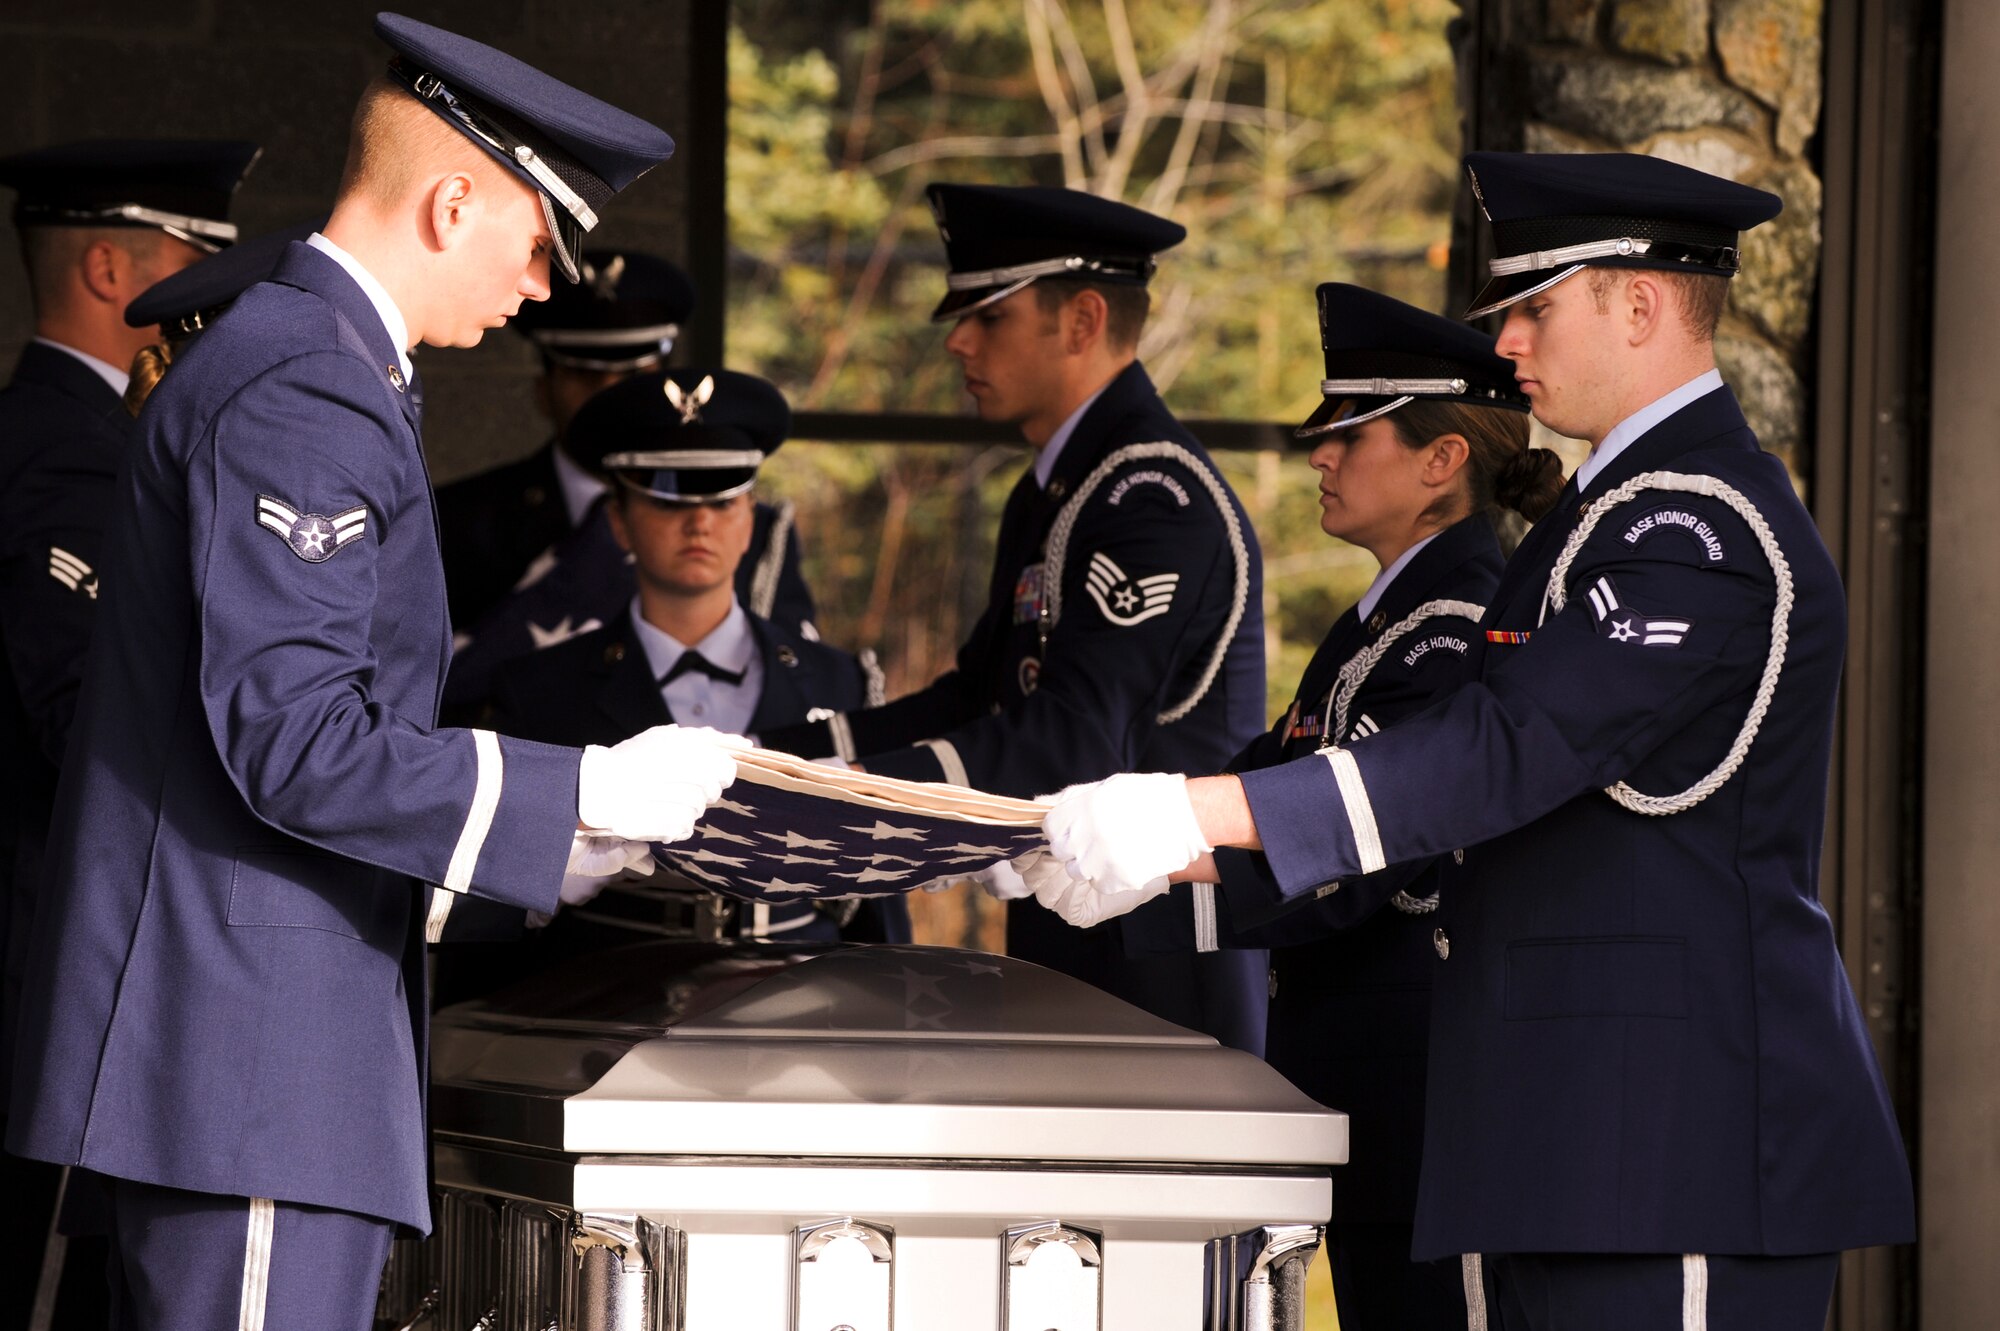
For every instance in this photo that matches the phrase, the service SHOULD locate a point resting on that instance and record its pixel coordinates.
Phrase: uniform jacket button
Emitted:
(614, 653)
(1442, 942)
(1271, 982)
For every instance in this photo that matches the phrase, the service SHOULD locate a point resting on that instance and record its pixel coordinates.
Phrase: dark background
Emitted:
(285, 74)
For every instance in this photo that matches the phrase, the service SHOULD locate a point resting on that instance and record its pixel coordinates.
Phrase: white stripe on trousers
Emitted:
(256, 1264)
(1694, 1291)
(42, 1315)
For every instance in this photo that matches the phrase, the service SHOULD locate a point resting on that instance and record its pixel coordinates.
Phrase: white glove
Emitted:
(1002, 881)
(1126, 833)
(1026, 875)
(1084, 904)
(596, 860)
(655, 785)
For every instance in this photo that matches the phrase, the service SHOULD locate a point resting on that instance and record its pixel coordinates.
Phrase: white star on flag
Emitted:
(871, 874)
(789, 840)
(882, 831)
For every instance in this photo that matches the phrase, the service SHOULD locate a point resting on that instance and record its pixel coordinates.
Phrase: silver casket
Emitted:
(695, 1136)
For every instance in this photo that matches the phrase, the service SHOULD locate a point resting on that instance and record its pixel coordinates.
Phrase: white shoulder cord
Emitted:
(1354, 673)
(1362, 664)
(876, 687)
(764, 581)
(1781, 618)
(1065, 523)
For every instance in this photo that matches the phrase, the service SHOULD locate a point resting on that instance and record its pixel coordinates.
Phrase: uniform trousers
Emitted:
(1638, 1292)
(1377, 1287)
(196, 1261)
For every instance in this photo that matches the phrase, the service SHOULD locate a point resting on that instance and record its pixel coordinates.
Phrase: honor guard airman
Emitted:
(1421, 437)
(259, 824)
(1124, 625)
(1654, 1104)
(682, 449)
(528, 555)
(100, 222)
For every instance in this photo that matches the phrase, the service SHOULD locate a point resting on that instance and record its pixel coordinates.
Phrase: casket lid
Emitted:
(883, 1051)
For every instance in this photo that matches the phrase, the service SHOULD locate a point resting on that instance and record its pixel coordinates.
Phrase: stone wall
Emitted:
(1729, 86)
(286, 76)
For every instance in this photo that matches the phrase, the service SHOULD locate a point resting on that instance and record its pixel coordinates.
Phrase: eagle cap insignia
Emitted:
(604, 281)
(313, 537)
(689, 404)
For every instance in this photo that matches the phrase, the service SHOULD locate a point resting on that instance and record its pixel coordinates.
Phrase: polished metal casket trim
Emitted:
(831, 1289)
(1051, 1297)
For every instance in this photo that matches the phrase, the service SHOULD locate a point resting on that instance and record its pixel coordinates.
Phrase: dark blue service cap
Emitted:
(1555, 213)
(999, 238)
(572, 149)
(179, 186)
(624, 315)
(1382, 354)
(694, 436)
(188, 301)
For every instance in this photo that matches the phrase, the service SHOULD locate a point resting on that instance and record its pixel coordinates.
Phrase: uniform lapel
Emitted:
(308, 269)
(626, 692)
(781, 703)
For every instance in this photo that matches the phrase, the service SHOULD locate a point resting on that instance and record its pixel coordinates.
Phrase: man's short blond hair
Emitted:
(395, 142)
(1700, 296)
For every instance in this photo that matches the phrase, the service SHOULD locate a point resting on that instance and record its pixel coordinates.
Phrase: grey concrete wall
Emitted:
(285, 73)
(1959, 1121)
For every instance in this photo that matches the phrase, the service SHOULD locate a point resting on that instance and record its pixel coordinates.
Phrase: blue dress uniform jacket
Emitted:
(63, 436)
(1643, 1039)
(1150, 586)
(228, 989)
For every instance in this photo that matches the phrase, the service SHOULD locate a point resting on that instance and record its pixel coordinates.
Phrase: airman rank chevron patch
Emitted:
(1621, 623)
(313, 537)
(72, 572)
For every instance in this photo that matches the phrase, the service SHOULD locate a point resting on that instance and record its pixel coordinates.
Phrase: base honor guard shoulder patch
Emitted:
(1126, 600)
(313, 537)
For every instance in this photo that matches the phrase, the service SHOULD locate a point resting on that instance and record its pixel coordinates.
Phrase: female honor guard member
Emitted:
(1421, 438)
(529, 556)
(225, 1020)
(682, 448)
(1123, 625)
(1655, 1105)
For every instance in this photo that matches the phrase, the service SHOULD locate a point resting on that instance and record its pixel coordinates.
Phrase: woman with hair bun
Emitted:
(1421, 440)
(195, 297)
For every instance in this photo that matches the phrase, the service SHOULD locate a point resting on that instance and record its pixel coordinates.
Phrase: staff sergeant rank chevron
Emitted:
(1126, 600)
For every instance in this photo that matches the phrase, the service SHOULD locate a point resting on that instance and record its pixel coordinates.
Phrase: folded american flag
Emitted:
(791, 830)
